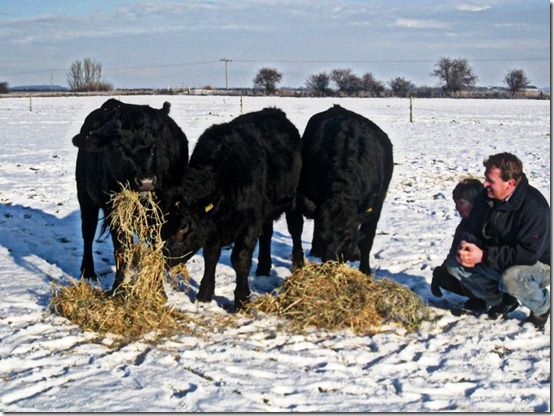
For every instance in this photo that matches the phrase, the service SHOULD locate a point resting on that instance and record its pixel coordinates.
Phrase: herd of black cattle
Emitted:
(241, 176)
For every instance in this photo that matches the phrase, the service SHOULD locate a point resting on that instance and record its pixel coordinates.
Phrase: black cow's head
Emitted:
(192, 219)
(132, 140)
(339, 223)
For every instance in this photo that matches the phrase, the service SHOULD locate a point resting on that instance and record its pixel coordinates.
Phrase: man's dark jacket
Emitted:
(515, 232)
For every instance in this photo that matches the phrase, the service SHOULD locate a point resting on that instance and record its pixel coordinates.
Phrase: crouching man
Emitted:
(504, 255)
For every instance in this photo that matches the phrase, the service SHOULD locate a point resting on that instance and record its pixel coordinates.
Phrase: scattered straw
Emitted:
(329, 295)
(138, 306)
(333, 296)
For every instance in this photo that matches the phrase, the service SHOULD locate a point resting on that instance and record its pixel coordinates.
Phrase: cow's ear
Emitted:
(367, 205)
(111, 104)
(89, 142)
(212, 206)
(165, 108)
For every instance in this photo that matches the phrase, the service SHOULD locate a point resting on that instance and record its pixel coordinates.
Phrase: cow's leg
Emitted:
(295, 223)
(317, 250)
(367, 235)
(89, 220)
(264, 250)
(118, 256)
(207, 285)
(241, 259)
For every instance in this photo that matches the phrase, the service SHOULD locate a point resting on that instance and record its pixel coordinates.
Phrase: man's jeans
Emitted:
(526, 283)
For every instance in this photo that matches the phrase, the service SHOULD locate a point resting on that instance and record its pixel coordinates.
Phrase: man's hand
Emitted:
(468, 254)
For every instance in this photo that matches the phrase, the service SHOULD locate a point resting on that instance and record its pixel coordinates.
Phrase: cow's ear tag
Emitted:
(369, 210)
(208, 208)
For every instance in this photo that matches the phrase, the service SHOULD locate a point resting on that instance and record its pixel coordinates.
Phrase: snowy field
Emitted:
(454, 363)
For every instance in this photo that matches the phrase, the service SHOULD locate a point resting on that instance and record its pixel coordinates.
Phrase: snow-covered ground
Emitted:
(456, 363)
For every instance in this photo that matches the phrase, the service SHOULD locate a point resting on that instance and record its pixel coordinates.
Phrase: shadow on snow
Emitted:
(28, 232)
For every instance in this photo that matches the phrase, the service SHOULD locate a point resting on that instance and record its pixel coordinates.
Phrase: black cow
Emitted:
(242, 175)
(133, 145)
(346, 169)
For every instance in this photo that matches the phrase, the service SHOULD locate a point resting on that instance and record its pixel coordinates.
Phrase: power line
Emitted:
(292, 61)
(377, 61)
(128, 68)
(160, 66)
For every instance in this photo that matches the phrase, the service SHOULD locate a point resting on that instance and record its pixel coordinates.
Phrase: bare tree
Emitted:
(347, 82)
(75, 76)
(318, 84)
(401, 87)
(4, 88)
(516, 80)
(456, 74)
(86, 76)
(268, 78)
(371, 85)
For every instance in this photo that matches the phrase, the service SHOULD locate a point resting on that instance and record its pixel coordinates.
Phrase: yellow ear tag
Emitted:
(208, 207)
(369, 210)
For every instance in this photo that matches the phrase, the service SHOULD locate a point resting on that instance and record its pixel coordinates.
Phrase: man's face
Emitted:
(496, 187)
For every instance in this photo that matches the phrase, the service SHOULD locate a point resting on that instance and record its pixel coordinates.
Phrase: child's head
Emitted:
(464, 195)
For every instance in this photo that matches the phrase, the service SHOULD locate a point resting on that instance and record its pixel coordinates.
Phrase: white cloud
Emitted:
(420, 24)
(468, 7)
(509, 25)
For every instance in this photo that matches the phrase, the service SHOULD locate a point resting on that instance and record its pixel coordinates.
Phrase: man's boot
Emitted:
(508, 304)
(538, 321)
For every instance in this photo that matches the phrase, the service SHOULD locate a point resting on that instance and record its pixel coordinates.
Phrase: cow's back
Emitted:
(344, 153)
(255, 160)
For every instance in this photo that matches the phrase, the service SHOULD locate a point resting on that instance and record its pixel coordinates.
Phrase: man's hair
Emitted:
(510, 166)
(467, 189)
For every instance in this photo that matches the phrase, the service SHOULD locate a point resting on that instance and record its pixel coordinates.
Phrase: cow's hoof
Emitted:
(297, 260)
(263, 271)
(241, 304)
(296, 265)
(315, 252)
(365, 270)
(354, 256)
(203, 297)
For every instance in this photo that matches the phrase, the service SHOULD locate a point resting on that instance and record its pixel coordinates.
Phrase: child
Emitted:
(464, 195)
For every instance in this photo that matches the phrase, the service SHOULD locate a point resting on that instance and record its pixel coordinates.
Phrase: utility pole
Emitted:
(225, 60)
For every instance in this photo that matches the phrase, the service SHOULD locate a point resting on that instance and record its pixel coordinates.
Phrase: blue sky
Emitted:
(163, 43)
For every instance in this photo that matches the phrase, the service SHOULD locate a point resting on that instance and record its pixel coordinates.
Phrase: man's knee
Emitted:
(516, 277)
(513, 278)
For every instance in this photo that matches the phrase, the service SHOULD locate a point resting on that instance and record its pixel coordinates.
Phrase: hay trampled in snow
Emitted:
(139, 305)
(335, 296)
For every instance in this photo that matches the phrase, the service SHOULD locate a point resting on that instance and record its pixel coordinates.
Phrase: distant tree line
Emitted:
(455, 77)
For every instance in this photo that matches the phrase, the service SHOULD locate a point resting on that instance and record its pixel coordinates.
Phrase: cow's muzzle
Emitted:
(146, 184)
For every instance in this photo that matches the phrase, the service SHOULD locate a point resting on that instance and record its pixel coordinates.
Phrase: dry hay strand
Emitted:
(334, 296)
(138, 306)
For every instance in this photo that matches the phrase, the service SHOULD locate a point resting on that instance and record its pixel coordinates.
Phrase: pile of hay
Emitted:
(139, 305)
(334, 296)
